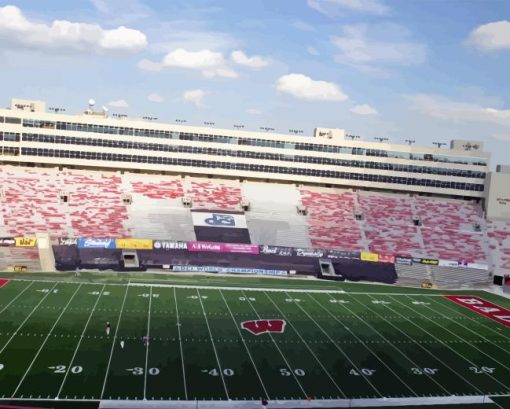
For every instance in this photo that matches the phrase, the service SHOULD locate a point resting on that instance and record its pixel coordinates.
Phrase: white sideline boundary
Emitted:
(324, 403)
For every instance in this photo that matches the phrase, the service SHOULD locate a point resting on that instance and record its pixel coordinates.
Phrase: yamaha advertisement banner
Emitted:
(170, 245)
(7, 241)
(91, 243)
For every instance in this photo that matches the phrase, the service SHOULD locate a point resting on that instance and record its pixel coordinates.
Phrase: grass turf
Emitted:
(363, 344)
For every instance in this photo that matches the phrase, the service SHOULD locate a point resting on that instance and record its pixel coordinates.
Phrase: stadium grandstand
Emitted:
(248, 244)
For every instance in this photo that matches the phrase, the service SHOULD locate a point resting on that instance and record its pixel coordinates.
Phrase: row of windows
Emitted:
(9, 136)
(253, 155)
(78, 127)
(10, 120)
(9, 151)
(249, 167)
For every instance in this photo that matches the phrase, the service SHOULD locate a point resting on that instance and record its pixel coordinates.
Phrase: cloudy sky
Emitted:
(403, 69)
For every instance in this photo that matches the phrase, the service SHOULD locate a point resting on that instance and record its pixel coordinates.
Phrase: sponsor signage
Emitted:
(307, 252)
(386, 258)
(67, 241)
(214, 219)
(223, 247)
(426, 261)
(25, 241)
(448, 263)
(92, 243)
(342, 254)
(367, 256)
(478, 266)
(276, 250)
(403, 260)
(486, 308)
(20, 269)
(7, 241)
(234, 270)
(134, 244)
(170, 245)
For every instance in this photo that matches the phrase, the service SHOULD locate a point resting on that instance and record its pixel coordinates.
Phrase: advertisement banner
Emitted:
(403, 260)
(426, 261)
(67, 241)
(276, 250)
(308, 252)
(366, 256)
(235, 270)
(92, 243)
(26, 241)
(7, 241)
(214, 219)
(486, 308)
(448, 263)
(353, 255)
(386, 258)
(478, 266)
(134, 244)
(223, 247)
(170, 245)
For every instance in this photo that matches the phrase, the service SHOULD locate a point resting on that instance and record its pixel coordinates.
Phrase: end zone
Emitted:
(3, 282)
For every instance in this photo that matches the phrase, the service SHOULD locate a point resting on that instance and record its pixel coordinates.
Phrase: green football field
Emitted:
(220, 343)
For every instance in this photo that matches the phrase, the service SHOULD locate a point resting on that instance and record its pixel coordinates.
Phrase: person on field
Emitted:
(108, 328)
(145, 341)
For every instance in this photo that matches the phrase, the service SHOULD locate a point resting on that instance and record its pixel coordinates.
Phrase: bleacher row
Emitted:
(72, 203)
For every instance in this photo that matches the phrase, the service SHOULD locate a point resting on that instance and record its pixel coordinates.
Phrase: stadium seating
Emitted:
(212, 194)
(499, 244)
(331, 221)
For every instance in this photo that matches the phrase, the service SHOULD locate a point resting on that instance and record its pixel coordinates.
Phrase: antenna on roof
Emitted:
(92, 102)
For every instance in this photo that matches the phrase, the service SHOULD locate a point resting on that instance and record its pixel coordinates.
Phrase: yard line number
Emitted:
(287, 372)
(424, 371)
(362, 372)
(62, 369)
(215, 372)
(482, 370)
(140, 371)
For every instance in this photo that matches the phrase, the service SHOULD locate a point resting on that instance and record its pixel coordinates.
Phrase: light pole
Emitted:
(380, 139)
(352, 137)
(439, 144)
(410, 141)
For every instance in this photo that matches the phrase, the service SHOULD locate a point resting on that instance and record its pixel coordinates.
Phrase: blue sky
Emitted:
(404, 69)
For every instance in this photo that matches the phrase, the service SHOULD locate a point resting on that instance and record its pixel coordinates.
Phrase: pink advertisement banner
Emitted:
(223, 247)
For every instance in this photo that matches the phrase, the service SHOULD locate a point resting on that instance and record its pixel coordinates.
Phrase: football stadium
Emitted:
(172, 269)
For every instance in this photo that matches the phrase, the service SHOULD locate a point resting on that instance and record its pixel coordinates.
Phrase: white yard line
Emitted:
(422, 347)
(45, 340)
(27, 318)
(369, 349)
(459, 337)
(308, 347)
(506, 351)
(245, 345)
(291, 369)
(114, 342)
(15, 298)
(214, 346)
(467, 313)
(79, 343)
(441, 342)
(180, 346)
(147, 347)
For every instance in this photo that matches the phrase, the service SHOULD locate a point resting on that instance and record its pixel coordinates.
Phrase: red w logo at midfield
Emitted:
(257, 327)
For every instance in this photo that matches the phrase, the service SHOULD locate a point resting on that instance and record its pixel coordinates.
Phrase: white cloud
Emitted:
(363, 109)
(253, 111)
(446, 109)
(210, 63)
(195, 96)
(148, 65)
(17, 31)
(255, 61)
(491, 37)
(366, 47)
(303, 87)
(120, 103)
(154, 97)
(312, 50)
(301, 25)
(332, 8)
